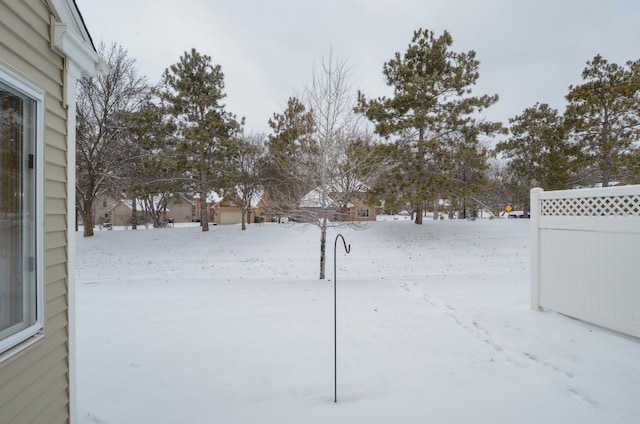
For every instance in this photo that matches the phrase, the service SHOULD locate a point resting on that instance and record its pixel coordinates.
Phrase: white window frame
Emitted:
(18, 339)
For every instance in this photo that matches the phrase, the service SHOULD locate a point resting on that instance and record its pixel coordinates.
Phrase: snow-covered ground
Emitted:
(434, 326)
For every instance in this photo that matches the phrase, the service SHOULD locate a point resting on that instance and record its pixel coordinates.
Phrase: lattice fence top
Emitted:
(627, 205)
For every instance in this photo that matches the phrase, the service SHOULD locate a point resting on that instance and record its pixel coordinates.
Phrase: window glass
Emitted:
(18, 285)
(363, 213)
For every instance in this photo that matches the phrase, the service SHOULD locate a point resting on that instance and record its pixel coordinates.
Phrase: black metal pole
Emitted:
(335, 316)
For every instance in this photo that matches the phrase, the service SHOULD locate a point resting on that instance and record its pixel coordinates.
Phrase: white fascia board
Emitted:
(67, 12)
(71, 37)
(77, 50)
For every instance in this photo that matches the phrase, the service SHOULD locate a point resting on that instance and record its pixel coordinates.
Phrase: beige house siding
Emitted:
(363, 208)
(180, 209)
(102, 206)
(34, 383)
(120, 214)
(226, 212)
(227, 217)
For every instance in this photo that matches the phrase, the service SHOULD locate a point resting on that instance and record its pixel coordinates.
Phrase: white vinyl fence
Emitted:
(585, 255)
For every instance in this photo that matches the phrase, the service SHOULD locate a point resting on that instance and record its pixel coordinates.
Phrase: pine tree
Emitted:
(604, 118)
(291, 157)
(431, 102)
(538, 150)
(153, 176)
(192, 92)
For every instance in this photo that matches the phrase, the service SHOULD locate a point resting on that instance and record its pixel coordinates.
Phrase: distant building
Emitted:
(173, 209)
(340, 207)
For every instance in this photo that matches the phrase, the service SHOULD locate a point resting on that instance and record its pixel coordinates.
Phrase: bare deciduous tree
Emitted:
(250, 161)
(321, 149)
(101, 152)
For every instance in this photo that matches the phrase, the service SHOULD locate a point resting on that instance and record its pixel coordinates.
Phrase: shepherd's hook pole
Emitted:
(335, 317)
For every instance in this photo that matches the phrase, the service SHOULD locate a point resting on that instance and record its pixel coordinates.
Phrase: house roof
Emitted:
(70, 14)
(157, 202)
(214, 198)
(129, 204)
(313, 199)
(255, 199)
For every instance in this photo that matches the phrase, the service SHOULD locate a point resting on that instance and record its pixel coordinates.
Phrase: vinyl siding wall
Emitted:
(34, 383)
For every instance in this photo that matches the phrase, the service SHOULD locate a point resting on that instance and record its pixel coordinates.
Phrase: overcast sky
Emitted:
(529, 51)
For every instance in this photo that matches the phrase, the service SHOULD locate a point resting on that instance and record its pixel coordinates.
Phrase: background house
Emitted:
(44, 49)
(102, 207)
(361, 210)
(121, 212)
(179, 209)
(174, 208)
(263, 210)
(226, 211)
(352, 208)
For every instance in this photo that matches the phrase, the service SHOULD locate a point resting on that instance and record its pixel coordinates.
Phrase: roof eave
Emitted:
(71, 37)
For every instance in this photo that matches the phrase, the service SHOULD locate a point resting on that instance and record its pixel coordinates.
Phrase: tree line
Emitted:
(425, 147)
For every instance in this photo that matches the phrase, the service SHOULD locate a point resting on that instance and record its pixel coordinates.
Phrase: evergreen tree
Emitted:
(153, 176)
(538, 151)
(431, 102)
(191, 92)
(467, 183)
(291, 153)
(603, 116)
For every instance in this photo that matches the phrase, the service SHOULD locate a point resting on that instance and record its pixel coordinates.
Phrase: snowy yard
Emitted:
(434, 326)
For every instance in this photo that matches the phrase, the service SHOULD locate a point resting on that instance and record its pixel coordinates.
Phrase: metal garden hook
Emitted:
(347, 248)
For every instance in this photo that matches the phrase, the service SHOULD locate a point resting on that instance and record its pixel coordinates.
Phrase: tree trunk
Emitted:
(134, 213)
(87, 218)
(204, 215)
(419, 210)
(606, 176)
(323, 244)
(243, 215)
(421, 152)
